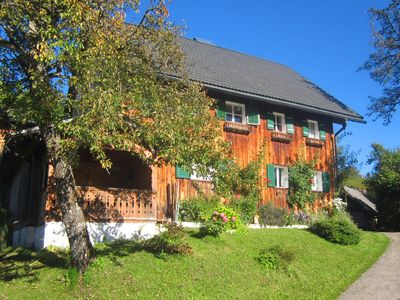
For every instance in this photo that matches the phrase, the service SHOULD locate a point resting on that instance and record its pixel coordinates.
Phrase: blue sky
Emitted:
(325, 41)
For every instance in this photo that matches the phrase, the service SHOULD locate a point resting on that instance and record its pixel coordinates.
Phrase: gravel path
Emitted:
(382, 280)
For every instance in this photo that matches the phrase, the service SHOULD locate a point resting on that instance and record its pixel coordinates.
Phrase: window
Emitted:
(281, 177)
(279, 124)
(235, 112)
(317, 185)
(195, 176)
(313, 131)
(278, 176)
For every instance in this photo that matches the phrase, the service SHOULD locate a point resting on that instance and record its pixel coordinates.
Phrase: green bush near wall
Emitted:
(338, 228)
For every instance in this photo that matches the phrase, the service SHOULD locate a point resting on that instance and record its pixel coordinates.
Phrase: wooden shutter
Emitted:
(181, 173)
(305, 128)
(289, 125)
(270, 121)
(322, 132)
(326, 182)
(220, 110)
(271, 175)
(253, 115)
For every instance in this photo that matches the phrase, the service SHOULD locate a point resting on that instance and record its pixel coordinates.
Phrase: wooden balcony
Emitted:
(117, 205)
(314, 142)
(281, 137)
(237, 127)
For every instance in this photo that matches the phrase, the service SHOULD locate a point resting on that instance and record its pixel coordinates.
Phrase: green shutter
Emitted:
(305, 128)
(289, 125)
(326, 182)
(253, 115)
(181, 173)
(270, 121)
(271, 175)
(322, 132)
(220, 110)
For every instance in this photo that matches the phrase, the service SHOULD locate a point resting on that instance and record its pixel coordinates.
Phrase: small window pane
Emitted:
(229, 117)
(238, 119)
(311, 130)
(237, 110)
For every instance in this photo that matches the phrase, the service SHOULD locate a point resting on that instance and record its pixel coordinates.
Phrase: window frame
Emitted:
(284, 129)
(317, 184)
(233, 104)
(280, 177)
(316, 129)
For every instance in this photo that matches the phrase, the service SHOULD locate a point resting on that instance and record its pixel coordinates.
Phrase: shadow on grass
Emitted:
(24, 263)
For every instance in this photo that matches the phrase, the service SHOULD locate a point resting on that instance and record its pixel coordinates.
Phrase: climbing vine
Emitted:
(300, 192)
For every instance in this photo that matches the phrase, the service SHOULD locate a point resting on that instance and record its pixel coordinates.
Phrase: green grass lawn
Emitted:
(219, 268)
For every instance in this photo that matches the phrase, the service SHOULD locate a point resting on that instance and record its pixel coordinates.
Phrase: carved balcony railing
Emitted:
(117, 205)
(237, 127)
(281, 137)
(314, 142)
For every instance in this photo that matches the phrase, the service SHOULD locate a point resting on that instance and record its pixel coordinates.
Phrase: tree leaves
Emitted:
(384, 64)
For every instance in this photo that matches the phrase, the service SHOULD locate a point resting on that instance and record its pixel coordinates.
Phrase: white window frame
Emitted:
(279, 181)
(195, 176)
(315, 135)
(233, 104)
(317, 184)
(276, 123)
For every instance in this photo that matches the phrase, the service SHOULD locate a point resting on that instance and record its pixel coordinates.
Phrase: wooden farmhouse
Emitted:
(261, 104)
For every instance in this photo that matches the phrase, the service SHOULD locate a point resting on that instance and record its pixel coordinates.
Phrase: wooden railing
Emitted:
(117, 205)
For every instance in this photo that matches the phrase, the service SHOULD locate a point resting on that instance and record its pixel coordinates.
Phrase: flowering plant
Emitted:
(221, 220)
(339, 204)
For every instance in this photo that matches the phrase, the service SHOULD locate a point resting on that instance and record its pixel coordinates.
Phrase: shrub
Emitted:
(271, 215)
(339, 228)
(221, 220)
(245, 206)
(3, 227)
(275, 258)
(197, 209)
(171, 241)
(295, 218)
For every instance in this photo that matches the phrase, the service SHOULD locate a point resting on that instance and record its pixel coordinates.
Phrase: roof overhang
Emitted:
(339, 118)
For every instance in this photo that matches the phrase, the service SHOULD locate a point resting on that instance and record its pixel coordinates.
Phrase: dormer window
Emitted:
(235, 112)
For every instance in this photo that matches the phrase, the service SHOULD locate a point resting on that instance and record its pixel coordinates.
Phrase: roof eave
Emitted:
(285, 103)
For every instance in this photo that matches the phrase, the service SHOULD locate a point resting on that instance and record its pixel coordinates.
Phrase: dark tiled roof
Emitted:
(222, 68)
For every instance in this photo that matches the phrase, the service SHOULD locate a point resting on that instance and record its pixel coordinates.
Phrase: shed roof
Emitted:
(223, 69)
(356, 194)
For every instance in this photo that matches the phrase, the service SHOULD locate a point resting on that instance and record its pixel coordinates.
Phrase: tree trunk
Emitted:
(72, 215)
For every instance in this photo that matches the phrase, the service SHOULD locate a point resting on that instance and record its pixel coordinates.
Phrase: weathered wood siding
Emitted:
(245, 148)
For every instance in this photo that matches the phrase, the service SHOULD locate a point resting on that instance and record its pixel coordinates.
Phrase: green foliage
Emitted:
(384, 64)
(3, 227)
(298, 218)
(347, 162)
(338, 228)
(221, 220)
(275, 258)
(383, 185)
(197, 209)
(300, 192)
(246, 206)
(171, 241)
(271, 215)
(231, 180)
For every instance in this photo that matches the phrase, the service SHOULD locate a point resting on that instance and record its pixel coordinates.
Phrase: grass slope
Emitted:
(217, 269)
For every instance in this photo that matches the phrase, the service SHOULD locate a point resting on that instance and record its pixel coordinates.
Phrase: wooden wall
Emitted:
(245, 148)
